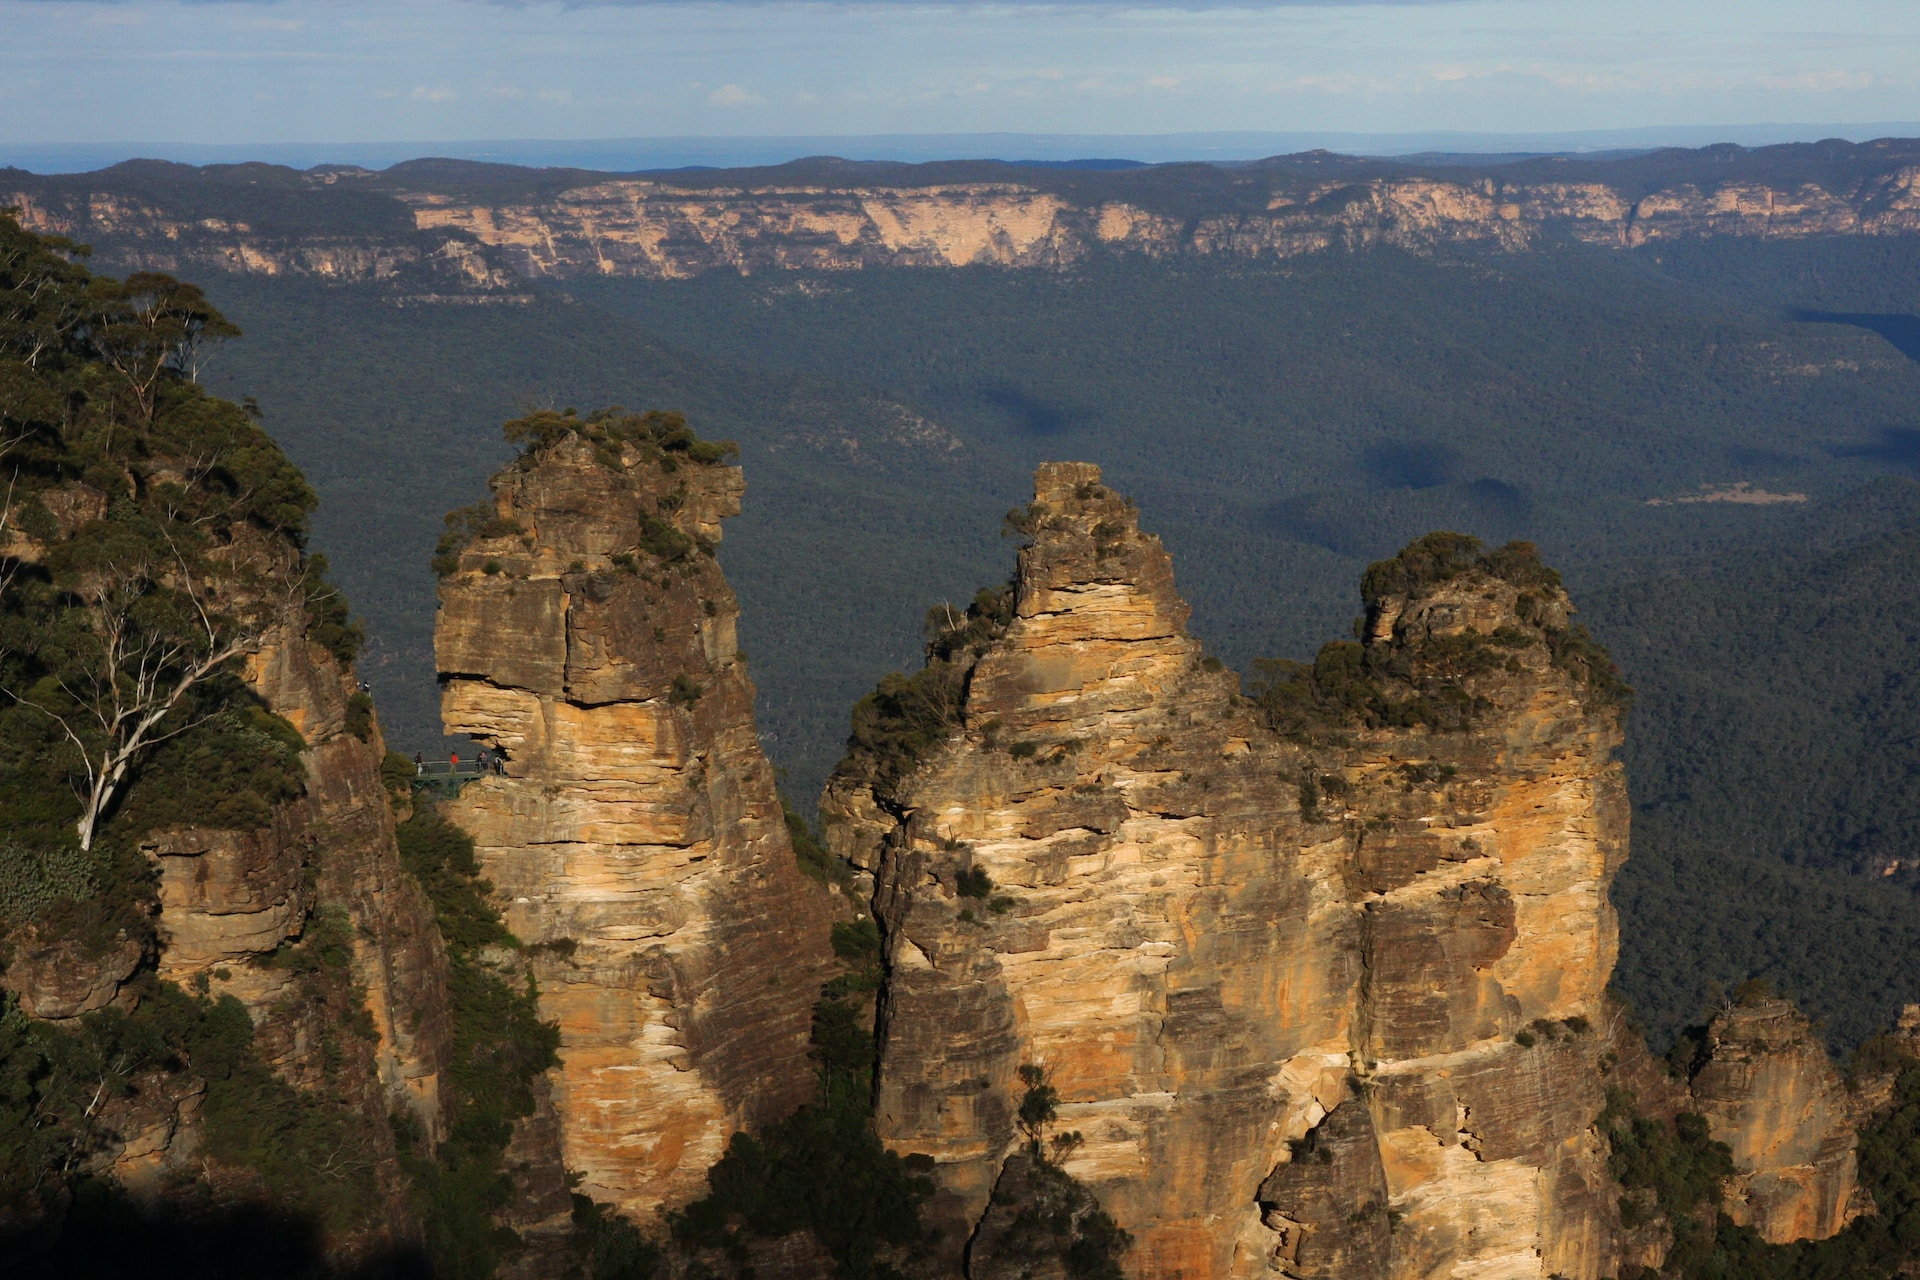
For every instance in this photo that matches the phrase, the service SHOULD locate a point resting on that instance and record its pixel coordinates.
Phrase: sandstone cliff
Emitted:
(351, 225)
(634, 837)
(1382, 936)
(236, 905)
(1770, 1092)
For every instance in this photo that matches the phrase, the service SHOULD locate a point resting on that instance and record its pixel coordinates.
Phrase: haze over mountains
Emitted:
(1667, 368)
(719, 151)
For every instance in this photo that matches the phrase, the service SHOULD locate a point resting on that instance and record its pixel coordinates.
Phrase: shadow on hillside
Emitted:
(1030, 415)
(104, 1235)
(1894, 446)
(1902, 332)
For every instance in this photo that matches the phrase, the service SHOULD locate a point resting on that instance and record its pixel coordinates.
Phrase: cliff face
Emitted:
(635, 838)
(342, 225)
(1219, 968)
(1770, 1092)
(233, 903)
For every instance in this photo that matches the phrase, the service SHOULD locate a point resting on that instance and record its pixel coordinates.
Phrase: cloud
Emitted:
(732, 95)
(439, 93)
(1820, 81)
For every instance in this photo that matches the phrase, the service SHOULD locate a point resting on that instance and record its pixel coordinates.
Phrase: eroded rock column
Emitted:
(635, 838)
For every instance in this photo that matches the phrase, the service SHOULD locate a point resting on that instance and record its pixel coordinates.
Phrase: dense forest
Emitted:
(1281, 424)
(1281, 428)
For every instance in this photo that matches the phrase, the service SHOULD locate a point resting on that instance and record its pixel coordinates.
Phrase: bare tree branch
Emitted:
(136, 680)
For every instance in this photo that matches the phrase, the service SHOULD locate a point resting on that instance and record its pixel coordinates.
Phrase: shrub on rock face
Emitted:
(906, 718)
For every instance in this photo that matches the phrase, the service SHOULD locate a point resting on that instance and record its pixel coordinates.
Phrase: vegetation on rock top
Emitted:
(906, 718)
(1431, 683)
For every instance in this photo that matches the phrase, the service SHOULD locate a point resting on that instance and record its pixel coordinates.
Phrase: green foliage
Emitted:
(499, 1046)
(815, 859)
(906, 718)
(465, 526)
(171, 525)
(609, 1247)
(397, 774)
(230, 772)
(32, 879)
(1057, 1216)
(1427, 685)
(329, 622)
(1776, 788)
(857, 941)
(973, 882)
(308, 1148)
(663, 436)
(821, 1169)
(1039, 1104)
(1679, 1163)
(1873, 1247)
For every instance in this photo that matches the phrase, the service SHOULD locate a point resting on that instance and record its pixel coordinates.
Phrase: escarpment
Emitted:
(353, 225)
(1365, 913)
(633, 833)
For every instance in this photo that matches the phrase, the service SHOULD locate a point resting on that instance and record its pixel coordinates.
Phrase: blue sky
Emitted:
(300, 70)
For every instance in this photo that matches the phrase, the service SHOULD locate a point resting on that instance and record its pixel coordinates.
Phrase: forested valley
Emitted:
(1287, 423)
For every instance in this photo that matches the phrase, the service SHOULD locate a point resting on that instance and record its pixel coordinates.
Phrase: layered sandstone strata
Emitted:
(469, 247)
(635, 837)
(1771, 1093)
(1229, 947)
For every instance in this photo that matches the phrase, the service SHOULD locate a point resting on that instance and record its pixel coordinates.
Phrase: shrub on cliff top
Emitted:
(905, 718)
(1443, 556)
(662, 433)
(1351, 684)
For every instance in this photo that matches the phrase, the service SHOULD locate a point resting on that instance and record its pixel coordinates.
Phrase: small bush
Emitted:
(466, 526)
(906, 718)
(973, 882)
(359, 719)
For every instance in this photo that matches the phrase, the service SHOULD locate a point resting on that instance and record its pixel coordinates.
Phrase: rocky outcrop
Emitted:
(634, 838)
(1770, 1092)
(352, 225)
(1215, 936)
(232, 900)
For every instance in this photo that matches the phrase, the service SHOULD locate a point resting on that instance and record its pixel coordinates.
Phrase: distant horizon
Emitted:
(637, 154)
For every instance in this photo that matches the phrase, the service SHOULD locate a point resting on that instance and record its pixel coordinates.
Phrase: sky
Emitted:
(406, 70)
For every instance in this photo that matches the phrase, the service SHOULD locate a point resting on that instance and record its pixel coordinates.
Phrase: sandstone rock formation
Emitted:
(635, 838)
(1216, 937)
(230, 900)
(1770, 1092)
(476, 246)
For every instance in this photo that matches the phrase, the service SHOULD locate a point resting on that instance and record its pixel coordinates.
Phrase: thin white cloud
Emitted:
(732, 95)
